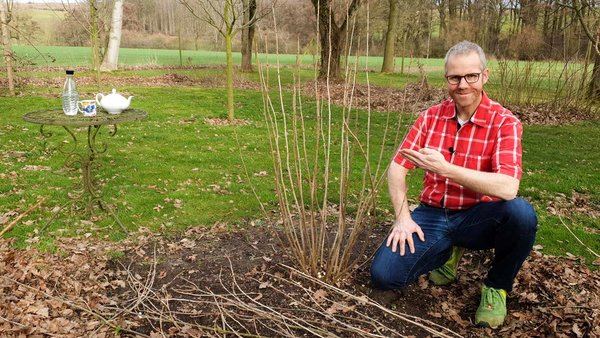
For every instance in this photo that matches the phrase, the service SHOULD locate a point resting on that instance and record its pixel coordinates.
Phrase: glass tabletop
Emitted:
(57, 117)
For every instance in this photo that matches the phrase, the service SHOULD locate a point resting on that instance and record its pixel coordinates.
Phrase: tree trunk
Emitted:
(94, 37)
(594, 85)
(441, 7)
(389, 53)
(111, 58)
(453, 7)
(404, 37)
(332, 36)
(228, 40)
(248, 34)
(7, 45)
(179, 45)
(529, 13)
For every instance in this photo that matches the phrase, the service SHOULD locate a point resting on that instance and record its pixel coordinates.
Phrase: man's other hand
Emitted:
(427, 159)
(402, 234)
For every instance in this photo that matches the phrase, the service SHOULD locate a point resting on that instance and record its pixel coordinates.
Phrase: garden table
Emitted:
(89, 192)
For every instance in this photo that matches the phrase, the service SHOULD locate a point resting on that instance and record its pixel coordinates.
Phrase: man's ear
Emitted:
(486, 75)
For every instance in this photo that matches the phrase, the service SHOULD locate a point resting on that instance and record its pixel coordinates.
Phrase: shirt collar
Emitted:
(481, 115)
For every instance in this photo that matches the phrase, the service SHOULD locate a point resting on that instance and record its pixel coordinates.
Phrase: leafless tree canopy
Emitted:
(523, 29)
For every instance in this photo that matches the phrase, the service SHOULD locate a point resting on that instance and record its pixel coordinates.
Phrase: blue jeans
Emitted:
(508, 227)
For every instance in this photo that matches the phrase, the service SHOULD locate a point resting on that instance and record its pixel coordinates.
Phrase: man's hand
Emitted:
(402, 233)
(427, 159)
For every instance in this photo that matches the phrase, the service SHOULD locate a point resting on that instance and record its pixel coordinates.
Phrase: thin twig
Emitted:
(577, 238)
(10, 321)
(21, 216)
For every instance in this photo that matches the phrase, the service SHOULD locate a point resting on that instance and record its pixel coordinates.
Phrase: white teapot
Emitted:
(113, 103)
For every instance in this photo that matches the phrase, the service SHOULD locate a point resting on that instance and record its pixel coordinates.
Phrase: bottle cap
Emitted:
(70, 72)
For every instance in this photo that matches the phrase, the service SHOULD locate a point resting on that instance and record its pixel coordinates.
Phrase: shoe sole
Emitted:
(487, 325)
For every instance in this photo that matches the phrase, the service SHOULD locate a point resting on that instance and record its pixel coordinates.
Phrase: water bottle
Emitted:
(70, 96)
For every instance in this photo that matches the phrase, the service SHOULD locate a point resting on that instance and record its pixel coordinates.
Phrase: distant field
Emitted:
(81, 56)
(46, 18)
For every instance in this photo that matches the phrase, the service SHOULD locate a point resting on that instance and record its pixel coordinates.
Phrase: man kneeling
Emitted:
(470, 149)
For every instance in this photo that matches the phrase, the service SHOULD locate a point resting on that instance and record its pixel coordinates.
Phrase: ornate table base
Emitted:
(87, 192)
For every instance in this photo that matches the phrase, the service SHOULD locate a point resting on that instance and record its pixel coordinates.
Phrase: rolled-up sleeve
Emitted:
(507, 158)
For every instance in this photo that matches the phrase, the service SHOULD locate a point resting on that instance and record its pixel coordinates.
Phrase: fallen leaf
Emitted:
(320, 296)
(337, 307)
(178, 204)
(188, 243)
(265, 285)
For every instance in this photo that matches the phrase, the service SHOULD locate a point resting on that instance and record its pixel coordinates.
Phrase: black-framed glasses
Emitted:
(470, 78)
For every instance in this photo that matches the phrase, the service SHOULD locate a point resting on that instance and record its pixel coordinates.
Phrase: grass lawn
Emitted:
(81, 56)
(173, 171)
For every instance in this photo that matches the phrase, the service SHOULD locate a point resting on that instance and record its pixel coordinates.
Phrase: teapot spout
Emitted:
(129, 100)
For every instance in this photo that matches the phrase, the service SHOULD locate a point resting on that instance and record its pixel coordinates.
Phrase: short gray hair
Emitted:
(465, 48)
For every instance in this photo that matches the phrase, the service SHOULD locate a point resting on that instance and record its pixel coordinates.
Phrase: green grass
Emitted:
(149, 165)
(563, 160)
(172, 171)
(65, 56)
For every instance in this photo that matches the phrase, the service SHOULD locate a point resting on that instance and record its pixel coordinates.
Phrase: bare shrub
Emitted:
(328, 168)
(560, 87)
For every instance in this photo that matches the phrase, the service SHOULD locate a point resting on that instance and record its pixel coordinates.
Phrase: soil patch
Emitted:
(210, 282)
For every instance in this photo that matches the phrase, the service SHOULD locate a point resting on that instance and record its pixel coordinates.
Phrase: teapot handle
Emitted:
(98, 100)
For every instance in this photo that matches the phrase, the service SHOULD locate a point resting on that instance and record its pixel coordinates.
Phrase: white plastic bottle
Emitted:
(70, 96)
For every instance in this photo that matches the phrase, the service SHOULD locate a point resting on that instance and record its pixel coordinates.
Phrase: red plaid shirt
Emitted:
(490, 141)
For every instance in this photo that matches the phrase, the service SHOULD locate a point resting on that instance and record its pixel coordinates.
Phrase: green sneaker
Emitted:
(492, 309)
(446, 273)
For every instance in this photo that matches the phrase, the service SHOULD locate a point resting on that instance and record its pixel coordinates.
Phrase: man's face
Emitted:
(467, 96)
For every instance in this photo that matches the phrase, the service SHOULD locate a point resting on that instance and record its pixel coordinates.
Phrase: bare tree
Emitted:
(226, 17)
(5, 17)
(332, 35)
(389, 53)
(593, 35)
(111, 57)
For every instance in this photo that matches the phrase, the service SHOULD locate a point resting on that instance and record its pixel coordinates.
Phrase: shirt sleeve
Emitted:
(508, 154)
(414, 140)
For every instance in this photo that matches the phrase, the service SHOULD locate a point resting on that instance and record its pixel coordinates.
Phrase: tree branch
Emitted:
(577, 9)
